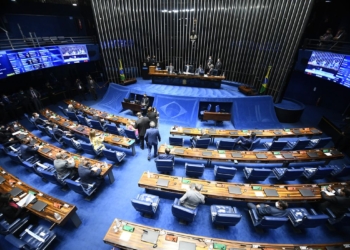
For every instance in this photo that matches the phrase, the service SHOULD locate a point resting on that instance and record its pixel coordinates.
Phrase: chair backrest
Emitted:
(322, 142)
(259, 174)
(64, 112)
(67, 141)
(226, 144)
(217, 108)
(182, 212)
(254, 144)
(194, 169)
(32, 242)
(72, 116)
(75, 186)
(322, 172)
(96, 125)
(14, 156)
(130, 134)
(87, 147)
(142, 206)
(311, 221)
(176, 141)
(209, 107)
(164, 165)
(112, 128)
(41, 128)
(344, 171)
(227, 218)
(29, 119)
(226, 172)
(81, 120)
(202, 143)
(51, 177)
(290, 174)
(277, 145)
(272, 222)
(301, 144)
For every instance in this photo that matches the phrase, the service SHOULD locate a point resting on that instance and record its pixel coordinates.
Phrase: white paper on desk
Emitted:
(328, 154)
(16, 133)
(26, 200)
(279, 156)
(259, 194)
(125, 236)
(222, 155)
(185, 186)
(328, 193)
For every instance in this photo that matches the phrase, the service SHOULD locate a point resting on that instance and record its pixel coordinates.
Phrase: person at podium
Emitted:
(171, 68)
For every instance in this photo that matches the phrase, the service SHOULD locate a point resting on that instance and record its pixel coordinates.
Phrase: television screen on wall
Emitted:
(330, 66)
(13, 62)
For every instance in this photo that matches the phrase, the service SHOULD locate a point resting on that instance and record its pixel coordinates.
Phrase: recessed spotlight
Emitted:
(74, 4)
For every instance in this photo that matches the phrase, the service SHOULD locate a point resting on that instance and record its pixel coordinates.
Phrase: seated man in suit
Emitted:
(38, 121)
(28, 149)
(246, 142)
(166, 156)
(89, 174)
(6, 137)
(199, 70)
(338, 201)
(279, 210)
(192, 198)
(65, 167)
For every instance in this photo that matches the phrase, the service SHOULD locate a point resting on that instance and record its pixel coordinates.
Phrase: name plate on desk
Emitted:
(258, 132)
(296, 131)
(277, 132)
(212, 131)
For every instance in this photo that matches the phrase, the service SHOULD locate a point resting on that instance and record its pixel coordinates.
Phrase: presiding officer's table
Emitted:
(49, 151)
(132, 106)
(284, 157)
(163, 77)
(243, 192)
(65, 210)
(170, 240)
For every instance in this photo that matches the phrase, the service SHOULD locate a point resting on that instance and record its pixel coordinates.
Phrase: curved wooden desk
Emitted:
(91, 111)
(169, 240)
(220, 190)
(51, 154)
(252, 156)
(66, 212)
(112, 139)
(234, 133)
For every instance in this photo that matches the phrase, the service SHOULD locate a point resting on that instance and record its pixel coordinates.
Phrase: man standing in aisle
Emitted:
(35, 97)
(152, 137)
(142, 124)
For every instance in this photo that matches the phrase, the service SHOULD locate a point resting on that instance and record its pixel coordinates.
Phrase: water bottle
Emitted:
(148, 174)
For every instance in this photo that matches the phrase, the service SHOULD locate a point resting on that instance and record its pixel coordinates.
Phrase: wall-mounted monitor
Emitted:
(14, 62)
(330, 66)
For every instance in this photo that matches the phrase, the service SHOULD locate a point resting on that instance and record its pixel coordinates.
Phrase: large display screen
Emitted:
(25, 60)
(330, 66)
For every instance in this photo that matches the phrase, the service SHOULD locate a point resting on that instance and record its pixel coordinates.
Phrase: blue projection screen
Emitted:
(13, 62)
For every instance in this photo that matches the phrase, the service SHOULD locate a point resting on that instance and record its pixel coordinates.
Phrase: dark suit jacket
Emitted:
(218, 65)
(166, 157)
(39, 121)
(337, 204)
(152, 116)
(152, 136)
(271, 211)
(142, 125)
(37, 94)
(27, 151)
(145, 101)
(88, 176)
(209, 61)
(63, 167)
(81, 85)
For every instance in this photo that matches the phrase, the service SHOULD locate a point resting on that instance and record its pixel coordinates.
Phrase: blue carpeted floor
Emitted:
(113, 200)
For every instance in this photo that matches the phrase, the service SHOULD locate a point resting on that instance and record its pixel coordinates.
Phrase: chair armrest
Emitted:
(330, 213)
(254, 214)
(15, 241)
(313, 212)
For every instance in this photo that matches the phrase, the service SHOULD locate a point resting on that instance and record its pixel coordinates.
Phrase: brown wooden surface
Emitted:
(73, 127)
(132, 106)
(250, 156)
(163, 73)
(128, 240)
(234, 133)
(219, 190)
(101, 114)
(216, 116)
(49, 210)
(51, 155)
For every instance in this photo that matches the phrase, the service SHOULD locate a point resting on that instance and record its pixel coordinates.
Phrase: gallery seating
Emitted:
(146, 203)
(224, 215)
(287, 174)
(224, 172)
(256, 174)
(182, 213)
(195, 170)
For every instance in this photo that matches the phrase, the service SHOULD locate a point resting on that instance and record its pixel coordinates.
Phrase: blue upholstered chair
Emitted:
(184, 214)
(113, 129)
(301, 218)
(340, 170)
(72, 142)
(38, 238)
(224, 215)
(318, 173)
(176, 141)
(256, 174)
(64, 112)
(131, 134)
(254, 144)
(266, 222)
(82, 120)
(97, 125)
(52, 177)
(164, 165)
(195, 170)
(72, 116)
(319, 143)
(226, 144)
(205, 110)
(10, 228)
(201, 143)
(298, 145)
(85, 190)
(30, 119)
(29, 163)
(287, 174)
(14, 156)
(223, 172)
(146, 203)
(275, 145)
(113, 155)
(341, 221)
(88, 148)
(42, 129)
(217, 108)
(38, 167)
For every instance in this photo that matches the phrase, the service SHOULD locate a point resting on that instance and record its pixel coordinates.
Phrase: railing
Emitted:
(34, 41)
(332, 46)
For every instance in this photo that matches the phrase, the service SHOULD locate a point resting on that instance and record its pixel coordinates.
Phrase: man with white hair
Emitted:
(152, 137)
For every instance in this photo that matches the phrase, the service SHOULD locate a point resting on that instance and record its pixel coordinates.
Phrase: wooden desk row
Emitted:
(243, 192)
(284, 157)
(112, 139)
(66, 211)
(170, 240)
(234, 133)
(49, 151)
(91, 111)
(216, 116)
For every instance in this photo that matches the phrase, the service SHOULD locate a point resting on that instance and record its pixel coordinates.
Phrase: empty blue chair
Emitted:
(318, 173)
(256, 174)
(319, 143)
(195, 170)
(217, 108)
(113, 129)
(205, 110)
(113, 155)
(10, 228)
(176, 141)
(226, 144)
(85, 190)
(30, 163)
(301, 218)
(224, 215)
(64, 112)
(225, 173)
(340, 170)
(82, 120)
(131, 134)
(341, 221)
(164, 165)
(254, 144)
(182, 213)
(42, 129)
(298, 145)
(71, 142)
(287, 174)
(51, 176)
(72, 116)
(275, 145)
(88, 148)
(38, 238)
(97, 125)
(146, 203)
(38, 167)
(30, 119)
(201, 143)
(266, 222)
(14, 156)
